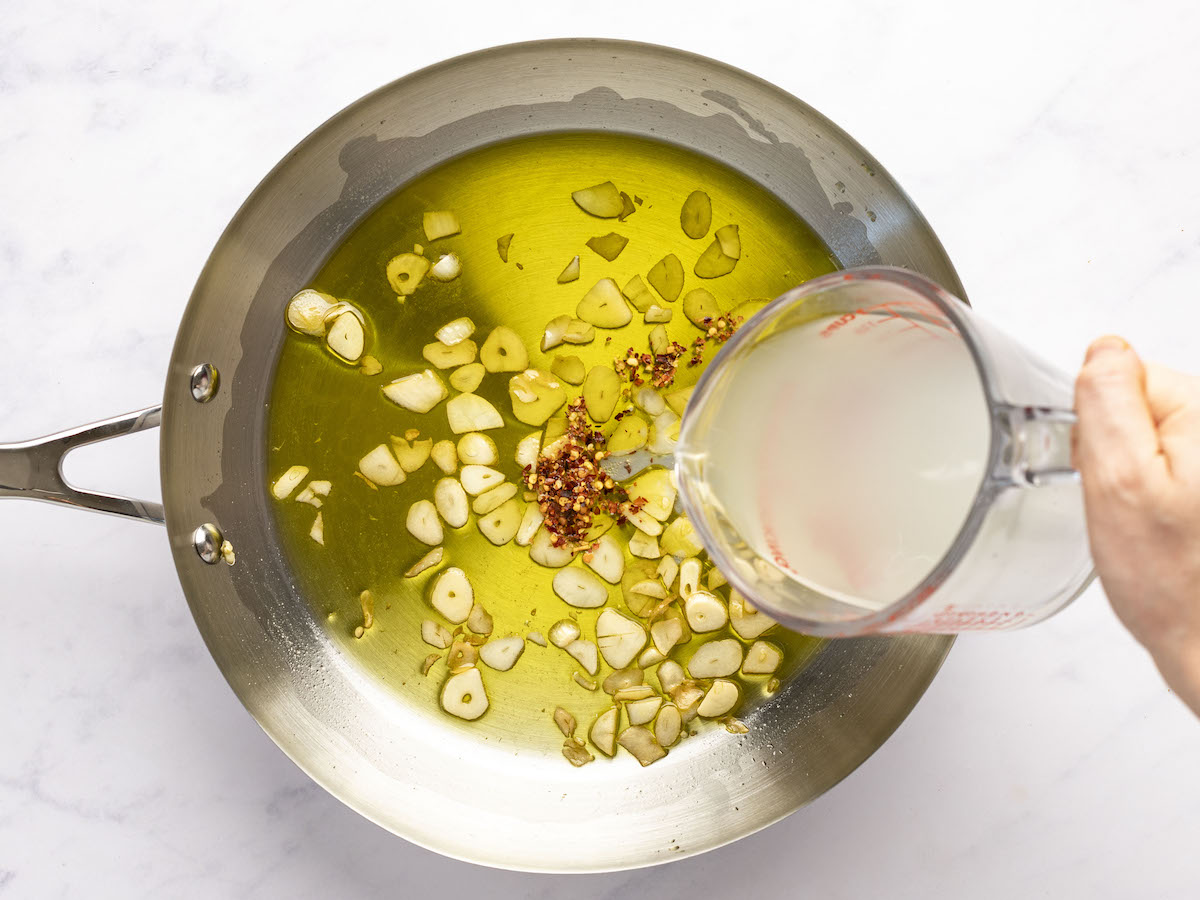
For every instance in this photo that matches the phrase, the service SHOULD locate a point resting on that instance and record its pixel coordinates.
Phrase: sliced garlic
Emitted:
(701, 307)
(504, 351)
(536, 637)
(553, 333)
(606, 559)
(476, 449)
(660, 343)
(636, 292)
(715, 579)
(405, 272)
(444, 456)
(527, 449)
(502, 244)
(679, 539)
(435, 635)
(370, 366)
(649, 401)
(502, 654)
(644, 545)
(579, 588)
(715, 659)
(619, 638)
(650, 587)
(455, 331)
(639, 712)
(423, 523)
(500, 525)
(630, 676)
(705, 612)
(287, 482)
(543, 552)
(477, 478)
(306, 312)
(428, 561)
(569, 273)
(317, 532)
(670, 675)
(441, 356)
(762, 658)
(603, 306)
(721, 698)
(641, 520)
(584, 652)
(657, 314)
(470, 412)
(579, 332)
(667, 570)
(713, 263)
(729, 239)
(569, 368)
(576, 752)
(629, 435)
(608, 246)
(664, 434)
(447, 268)
(603, 733)
(639, 740)
(440, 224)
(451, 502)
(467, 378)
(418, 393)
(452, 595)
(696, 215)
(583, 681)
(535, 396)
(463, 695)
(601, 200)
(650, 657)
(601, 391)
(430, 662)
(563, 632)
(380, 467)
(666, 634)
(565, 721)
(747, 622)
(667, 277)
(346, 337)
(411, 456)
(531, 521)
(689, 577)
(677, 399)
(667, 726)
(656, 488)
(490, 500)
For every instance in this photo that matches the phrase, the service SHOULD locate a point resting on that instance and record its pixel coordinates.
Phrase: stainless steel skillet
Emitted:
(401, 766)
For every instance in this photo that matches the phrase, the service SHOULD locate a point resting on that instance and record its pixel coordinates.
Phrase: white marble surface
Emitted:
(1052, 145)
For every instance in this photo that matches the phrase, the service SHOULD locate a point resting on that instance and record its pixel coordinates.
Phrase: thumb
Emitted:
(1116, 441)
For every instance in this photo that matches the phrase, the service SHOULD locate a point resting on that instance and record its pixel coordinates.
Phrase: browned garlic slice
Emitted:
(500, 525)
(603, 733)
(696, 215)
(467, 378)
(569, 273)
(584, 652)
(418, 393)
(603, 306)
(716, 659)
(502, 654)
(721, 698)
(380, 467)
(430, 662)
(502, 244)
(470, 412)
(579, 588)
(428, 561)
(287, 482)
(639, 741)
(565, 721)
(451, 502)
(423, 523)
(576, 752)
(667, 277)
(476, 449)
(463, 695)
(440, 224)
(619, 639)
(504, 351)
(600, 200)
(435, 635)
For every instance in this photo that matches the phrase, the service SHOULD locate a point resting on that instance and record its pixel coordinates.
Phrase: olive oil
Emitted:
(326, 414)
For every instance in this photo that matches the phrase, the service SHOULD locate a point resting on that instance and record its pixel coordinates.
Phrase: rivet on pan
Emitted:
(207, 541)
(205, 381)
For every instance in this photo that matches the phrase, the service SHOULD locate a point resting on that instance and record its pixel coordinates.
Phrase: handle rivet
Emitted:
(205, 380)
(207, 541)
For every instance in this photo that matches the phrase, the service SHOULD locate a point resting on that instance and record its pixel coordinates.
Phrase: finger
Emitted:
(1174, 401)
(1117, 441)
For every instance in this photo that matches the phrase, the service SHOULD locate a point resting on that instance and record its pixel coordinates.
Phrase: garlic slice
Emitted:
(526, 453)
(633, 692)
(713, 263)
(762, 658)
(584, 652)
(452, 595)
(579, 588)
(730, 241)
(569, 273)
(600, 200)
(658, 315)
(677, 399)
(629, 435)
(411, 456)
(705, 612)
(639, 741)
(667, 277)
(644, 546)
(500, 525)
(579, 332)
(649, 401)
(603, 733)
(440, 224)
(418, 393)
(470, 412)
(603, 306)
(563, 632)
(689, 577)
(504, 351)
(435, 635)
(490, 500)
(317, 532)
(747, 622)
(543, 552)
(502, 654)
(721, 698)
(715, 579)
(444, 456)
(670, 675)
(695, 217)
(406, 272)
(502, 244)
(467, 378)
(370, 366)
(441, 356)
(346, 337)
(601, 391)
(428, 561)
(636, 292)
(380, 467)
(700, 306)
(536, 637)
(569, 368)
(679, 539)
(423, 523)
(565, 721)
(531, 521)
(479, 620)
(451, 502)
(667, 570)
(606, 559)
(650, 657)
(287, 482)
(656, 487)
(639, 712)
(463, 695)
(619, 639)
(535, 396)
(447, 268)
(641, 520)
(666, 634)
(306, 312)
(553, 333)
(608, 246)
(477, 449)
(715, 659)
(576, 752)
(668, 725)
(631, 676)
(455, 331)
(476, 478)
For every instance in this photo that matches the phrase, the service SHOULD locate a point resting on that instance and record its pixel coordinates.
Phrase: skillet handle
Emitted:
(33, 469)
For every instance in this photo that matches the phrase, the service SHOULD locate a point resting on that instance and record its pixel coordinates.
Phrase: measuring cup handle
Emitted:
(1038, 448)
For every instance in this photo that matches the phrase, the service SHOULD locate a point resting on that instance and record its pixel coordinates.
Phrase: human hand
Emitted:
(1137, 448)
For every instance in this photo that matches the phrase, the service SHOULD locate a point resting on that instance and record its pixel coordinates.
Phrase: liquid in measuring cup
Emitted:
(849, 451)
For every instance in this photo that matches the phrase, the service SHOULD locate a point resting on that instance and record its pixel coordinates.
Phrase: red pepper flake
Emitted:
(572, 489)
(718, 331)
(658, 368)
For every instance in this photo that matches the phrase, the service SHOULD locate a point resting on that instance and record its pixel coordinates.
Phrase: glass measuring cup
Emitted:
(867, 455)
